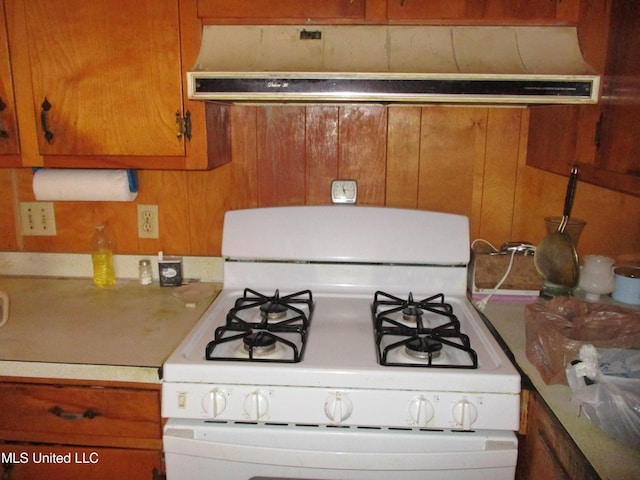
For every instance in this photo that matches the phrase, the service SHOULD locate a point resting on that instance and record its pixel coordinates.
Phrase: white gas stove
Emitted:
(351, 321)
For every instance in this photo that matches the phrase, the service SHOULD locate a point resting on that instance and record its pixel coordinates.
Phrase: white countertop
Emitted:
(69, 328)
(610, 458)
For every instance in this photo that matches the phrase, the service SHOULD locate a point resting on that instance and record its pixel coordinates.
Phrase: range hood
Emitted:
(392, 64)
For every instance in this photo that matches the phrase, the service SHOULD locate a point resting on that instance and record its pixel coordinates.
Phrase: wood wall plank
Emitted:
(403, 156)
(451, 140)
(8, 221)
(362, 150)
(495, 207)
(321, 152)
(281, 155)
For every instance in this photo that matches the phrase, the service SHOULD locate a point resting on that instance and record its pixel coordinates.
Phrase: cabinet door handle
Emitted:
(59, 412)
(48, 134)
(4, 135)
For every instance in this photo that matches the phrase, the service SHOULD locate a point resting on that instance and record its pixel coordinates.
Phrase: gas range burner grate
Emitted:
(261, 328)
(423, 333)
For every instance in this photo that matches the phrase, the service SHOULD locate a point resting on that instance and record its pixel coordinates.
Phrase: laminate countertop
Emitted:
(69, 328)
(610, 458)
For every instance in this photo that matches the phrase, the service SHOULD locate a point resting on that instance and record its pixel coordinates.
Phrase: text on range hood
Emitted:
(392, 64)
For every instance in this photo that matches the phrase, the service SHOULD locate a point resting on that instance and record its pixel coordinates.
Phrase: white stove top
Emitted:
(341, 353)
(343, 255)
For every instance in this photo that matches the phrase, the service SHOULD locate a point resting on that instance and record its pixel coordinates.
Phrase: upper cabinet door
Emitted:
(9, 144)
(105, 76)
(280, 11)
(491, 11)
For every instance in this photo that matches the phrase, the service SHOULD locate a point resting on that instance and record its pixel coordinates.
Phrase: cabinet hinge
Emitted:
(183, 125)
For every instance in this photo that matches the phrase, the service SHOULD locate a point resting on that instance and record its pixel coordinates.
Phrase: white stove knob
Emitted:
(465, 413)
(421, 411)
(256, 405)
(214, 402)
(338, 407)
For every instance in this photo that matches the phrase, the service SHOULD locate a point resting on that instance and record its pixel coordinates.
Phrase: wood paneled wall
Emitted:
(466, 160)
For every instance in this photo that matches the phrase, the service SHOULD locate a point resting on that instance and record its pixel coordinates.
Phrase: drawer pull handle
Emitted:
(89, 413)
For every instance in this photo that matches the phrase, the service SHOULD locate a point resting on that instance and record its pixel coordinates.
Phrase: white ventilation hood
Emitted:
(392, 64)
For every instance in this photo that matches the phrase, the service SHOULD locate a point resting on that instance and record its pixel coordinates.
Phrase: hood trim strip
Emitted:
(285, 87)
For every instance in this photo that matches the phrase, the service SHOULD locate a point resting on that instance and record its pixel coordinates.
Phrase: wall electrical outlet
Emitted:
(38, 218)
(148, 221)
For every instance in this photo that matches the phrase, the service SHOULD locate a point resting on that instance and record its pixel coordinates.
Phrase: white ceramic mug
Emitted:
(5, 307)
(627, 285)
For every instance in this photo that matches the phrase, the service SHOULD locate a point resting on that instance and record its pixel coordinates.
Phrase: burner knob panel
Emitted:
(338, 407)
(465, 413)
(256, 405)
(421, 411)
(214, 403)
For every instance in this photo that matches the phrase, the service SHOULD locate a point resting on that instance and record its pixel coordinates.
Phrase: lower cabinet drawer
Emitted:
(22, 462)
(80, 415)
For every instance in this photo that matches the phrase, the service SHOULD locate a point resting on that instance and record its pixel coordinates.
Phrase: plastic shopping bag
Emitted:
(606, 384)
(556, 329)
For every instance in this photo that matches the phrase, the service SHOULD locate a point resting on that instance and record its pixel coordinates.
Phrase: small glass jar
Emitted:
(144, 272)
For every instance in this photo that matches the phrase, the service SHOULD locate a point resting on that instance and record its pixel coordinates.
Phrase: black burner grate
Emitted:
(400, 326)
(258, 322)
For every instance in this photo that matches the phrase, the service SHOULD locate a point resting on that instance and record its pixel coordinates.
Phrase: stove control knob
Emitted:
(256, 405)
(214, 402)
(421, 411)
(338, 407)
(465, 413)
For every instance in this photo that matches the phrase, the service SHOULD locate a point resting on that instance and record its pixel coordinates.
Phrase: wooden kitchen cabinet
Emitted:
(603, 139)
(281, 10)
(102, 83)
(94, 463)
(9, 143)
(102, 430)
(381, 11)
(485, 11)
(109, 76)
(546, 450)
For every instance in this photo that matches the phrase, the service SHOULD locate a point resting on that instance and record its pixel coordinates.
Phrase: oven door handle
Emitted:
(475, 453)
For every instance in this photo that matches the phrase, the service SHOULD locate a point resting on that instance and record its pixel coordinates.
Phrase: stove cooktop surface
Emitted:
(342, 350)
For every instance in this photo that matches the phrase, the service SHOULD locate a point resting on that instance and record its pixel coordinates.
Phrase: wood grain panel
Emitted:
(281, 9)
(281, 155)
(495, 206)
(231, 186)
(460, 159)
(169, 191)
(451, 141)
(362, 134)
(91, 87)
(9, 144)
(403, 156)
(321, 152)
(8, 223)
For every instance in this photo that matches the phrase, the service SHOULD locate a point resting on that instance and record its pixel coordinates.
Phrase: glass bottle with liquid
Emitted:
(104, 274)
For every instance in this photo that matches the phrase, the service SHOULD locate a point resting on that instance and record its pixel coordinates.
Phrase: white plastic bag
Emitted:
(606, 384)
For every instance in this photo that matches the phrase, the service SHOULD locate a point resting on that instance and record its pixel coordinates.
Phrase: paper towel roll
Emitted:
(85, 185)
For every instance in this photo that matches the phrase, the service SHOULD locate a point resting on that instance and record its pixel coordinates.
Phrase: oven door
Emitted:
(238, 451)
